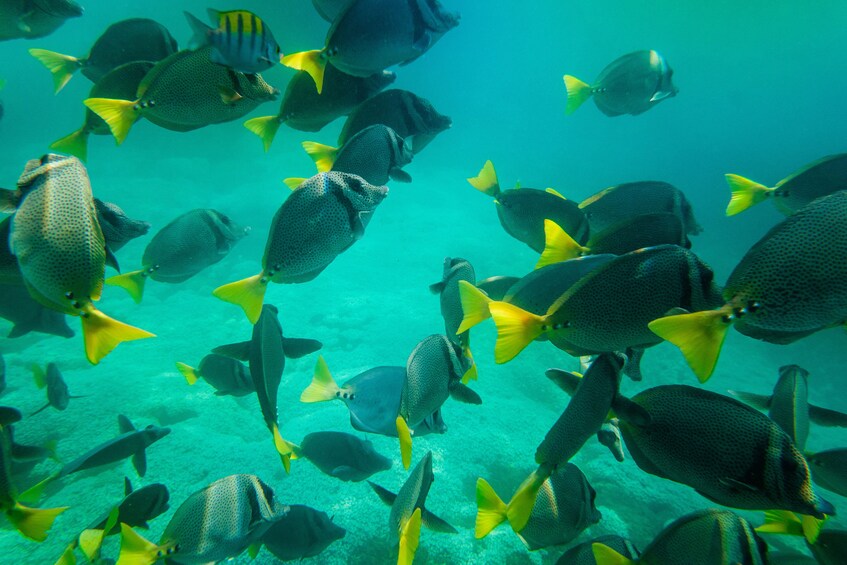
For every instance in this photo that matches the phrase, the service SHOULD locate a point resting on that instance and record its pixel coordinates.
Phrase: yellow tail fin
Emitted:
(135, 550)
(102, 334)
(410, 534)
(39, 375)
(313, 62)
(474, 306)
(90, 542)
(558, 246)
(247, 293)
(132, 282)
(745, 193)
(578, 93)
(119, 115)
(287, 450)
(520, 507)
(62, 66)
(190, 373)
(405, 436)
(294, 182)
(515, 329)
(491, 511)
(605, 555)
(486, 180)
(699, 336)
(265, 127)
(67, 557)
(786, 522)
(34, 523)
(75, 144)
(323, 386)
(323, 155)
(471, 374)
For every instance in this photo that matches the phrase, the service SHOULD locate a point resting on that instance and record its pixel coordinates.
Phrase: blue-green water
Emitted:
(761, 93)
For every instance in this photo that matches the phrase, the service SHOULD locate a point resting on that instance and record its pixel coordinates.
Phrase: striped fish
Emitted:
(241, 40)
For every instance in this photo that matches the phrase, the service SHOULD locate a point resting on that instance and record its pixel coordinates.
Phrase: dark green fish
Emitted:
(131, 443)
(126, 41)
(303, 532)
(631, 84)
(705, 537)
(58, 395)
(227, 376)
(330, 10)
(30, 19)
(409, 115)
(455, 270)
(118, 228)
(9, 415)
(342, 455)
(28, 315)
(646, 230)
(583, 554)
(303, 109)
(496, 287)
(727, 451)
(191, 242)
(829, 469)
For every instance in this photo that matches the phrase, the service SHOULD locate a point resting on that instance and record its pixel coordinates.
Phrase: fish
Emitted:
(126, 41)
(434, 371)
(213, 524)
(622, 202)
(497, 287)
(342, 455)
(727, 451)
(523, 211)
(410, 116)
(28, 315)
(61, 251)
(712, 535)
(130, 443)
(119, 83)
(241, 40)
(183, 92)
(330, 9)
(188, 244)
(227, 376)
(669, 279)
(583, 553)
(787, 286)
(372, 397)
(631, 84)
(408, 510)
(376, 154)
(819, 178)
(563, 508)
(359, 45)
(610, 436)
(318, 221)
(302, 108)
(118, 228)
(302, 532)
(9, 415)
(827, 545)
(31, 19)
(58, 395)
(829, 469)
(456, 270)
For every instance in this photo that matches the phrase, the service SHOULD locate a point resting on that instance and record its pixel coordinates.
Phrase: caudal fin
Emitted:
(75, 144)
(578, 93)
(605, 555)
(135, 550)
(187, 371)
(247, 293)
(491, 510)
(312, 62)
(34, 523)
(745, 193)
(515, 329)
(323, 155)
(294, 182)
(102, 334)
(474, 306)
(410, 534)
(558, 246)
(63, 67)
(699, 336)
(405, 436)
(323, 386)
(265, 127)
(132, 282)
(520, 507)
(486, 181)
(119, 115)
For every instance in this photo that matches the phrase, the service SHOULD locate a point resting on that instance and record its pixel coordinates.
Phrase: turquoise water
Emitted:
(761, 94)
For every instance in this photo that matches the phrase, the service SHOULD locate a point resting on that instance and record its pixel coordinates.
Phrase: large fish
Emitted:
(819, 178)
(361, 45)
(342, 455)
(213, 524)
(631, 84)
(126, 41)
(184, 247)
(523, 211)
(409, 115)
(322, 218)
(31, 19)
(183, 92)
(790, 284)
(240, 40)
(829, 469)
(58, 395)
(118, 228)
(372, 397)
(228, 376)
(303, 532)
(60, 249)
(302, 108)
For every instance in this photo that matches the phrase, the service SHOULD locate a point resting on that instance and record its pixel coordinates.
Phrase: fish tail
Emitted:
(34, 493)
(558, 246)
(63, 67)
(474, 306)
(605, 555)
(471, 374)
(39, 376)
(135, 550)
(699, 336)
(789, 523)
(90, 541)
(410, 534)
(102, 334)
(313, 62)
(67, 557)
(200, 30)
(187, 371)
(294, 182)
(119, 115)
(323, 386)
(745, 193)
(247, 293)
(520, 507)
(515, 329)
(486, 181)
(75, 144)
(34, 523)
(323, 155)
(491, 510)
(578, 93)
(132, 282)
(287, 450)
(265, 127)
(405, 436)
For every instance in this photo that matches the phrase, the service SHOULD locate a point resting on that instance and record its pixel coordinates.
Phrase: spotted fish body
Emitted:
(433, 368)
(455, 269)
(522, 212)
(376, 154)
(633, 83)
(412, 495)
